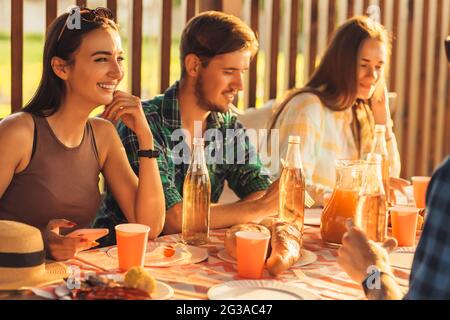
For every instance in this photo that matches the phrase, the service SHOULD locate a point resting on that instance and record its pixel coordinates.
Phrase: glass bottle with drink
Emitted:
(196, 198)
(343, 201)
(379, 147)
(292, 185)
(371, 210)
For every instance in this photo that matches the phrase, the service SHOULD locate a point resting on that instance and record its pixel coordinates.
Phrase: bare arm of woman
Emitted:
(141, 200)
(17, 130)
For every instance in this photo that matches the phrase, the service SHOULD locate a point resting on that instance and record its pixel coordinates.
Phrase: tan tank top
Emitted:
(58, 183)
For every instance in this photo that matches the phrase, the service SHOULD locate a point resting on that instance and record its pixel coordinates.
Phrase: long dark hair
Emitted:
(62, 41)
(334, 80)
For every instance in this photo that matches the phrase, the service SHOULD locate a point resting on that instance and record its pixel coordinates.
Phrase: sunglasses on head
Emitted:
(88, 15)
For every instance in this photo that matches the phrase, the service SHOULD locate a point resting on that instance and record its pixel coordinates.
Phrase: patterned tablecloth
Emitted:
(324, 277)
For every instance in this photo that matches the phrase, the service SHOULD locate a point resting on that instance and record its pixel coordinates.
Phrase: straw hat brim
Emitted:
(54, 272)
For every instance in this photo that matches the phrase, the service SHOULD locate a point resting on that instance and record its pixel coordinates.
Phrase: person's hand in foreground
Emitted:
(359, 257)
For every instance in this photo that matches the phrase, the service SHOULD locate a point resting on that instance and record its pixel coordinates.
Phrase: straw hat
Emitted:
(22, 258)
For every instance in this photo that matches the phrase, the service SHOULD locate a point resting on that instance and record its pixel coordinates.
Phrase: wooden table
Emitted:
(324, 277)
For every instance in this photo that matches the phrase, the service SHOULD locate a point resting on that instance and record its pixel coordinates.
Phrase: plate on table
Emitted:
(307, 257)
(259, 290)
(163, 291)
(312, 216)
(402, 257)
(156, 256)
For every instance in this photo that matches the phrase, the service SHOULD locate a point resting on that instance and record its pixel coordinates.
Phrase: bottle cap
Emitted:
(380, 128)
(294, 139)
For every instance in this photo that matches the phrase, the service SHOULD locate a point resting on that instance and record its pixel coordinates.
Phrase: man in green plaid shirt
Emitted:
(216, 50)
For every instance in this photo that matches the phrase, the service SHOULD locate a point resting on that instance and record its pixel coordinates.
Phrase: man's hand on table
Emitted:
(358, 253)
(359, 256)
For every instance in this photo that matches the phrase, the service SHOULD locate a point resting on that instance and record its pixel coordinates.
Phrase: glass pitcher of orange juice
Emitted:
(343, 201)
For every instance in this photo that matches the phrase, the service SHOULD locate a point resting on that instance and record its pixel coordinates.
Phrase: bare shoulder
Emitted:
(105, 135)
(17, 128)
(103, 129)
(101, 125)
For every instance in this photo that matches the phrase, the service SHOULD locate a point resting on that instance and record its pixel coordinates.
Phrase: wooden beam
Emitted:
(427, 85)
(331, 19)
(313, 39)
(393, 63)
(206, 5)
(250, 97)
(273, 39)
(442, 89)
(190, 9)
(306, 34)
(82, 3)
(51, 9)
(415, 37)
(401, 68)
(292, 45)
(350, 8)
(136, 47)
(166, 31)
(16, 54)
(112, 5)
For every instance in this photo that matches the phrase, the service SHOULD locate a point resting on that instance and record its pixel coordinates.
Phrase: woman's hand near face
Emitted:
(60, 247)
(380, 108)
(128, 108)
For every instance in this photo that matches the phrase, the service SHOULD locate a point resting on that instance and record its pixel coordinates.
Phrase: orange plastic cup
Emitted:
(420, 185)
(404, 225)
(251, 249)
(131, 244)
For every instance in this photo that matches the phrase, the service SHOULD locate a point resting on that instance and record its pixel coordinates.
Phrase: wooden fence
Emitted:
(297, 31)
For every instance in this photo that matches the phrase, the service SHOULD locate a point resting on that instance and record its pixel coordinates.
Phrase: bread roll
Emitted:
(286, 246)
(230, 235)
(268, 222)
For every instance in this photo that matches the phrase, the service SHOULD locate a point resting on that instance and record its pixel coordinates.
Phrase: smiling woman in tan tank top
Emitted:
(51, 153)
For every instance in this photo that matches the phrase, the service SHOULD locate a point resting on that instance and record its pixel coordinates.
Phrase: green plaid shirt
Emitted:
(232, 159)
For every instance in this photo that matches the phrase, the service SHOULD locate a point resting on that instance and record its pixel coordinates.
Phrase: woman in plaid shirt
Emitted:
(430, 274)
(336, 112)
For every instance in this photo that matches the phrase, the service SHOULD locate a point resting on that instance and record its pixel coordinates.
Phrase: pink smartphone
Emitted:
(90, 234)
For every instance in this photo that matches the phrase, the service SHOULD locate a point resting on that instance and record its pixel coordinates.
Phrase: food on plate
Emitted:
(139, 278)
(110, 293)
(169, 251)
(286, 244)
(230, 235)
(104, 288)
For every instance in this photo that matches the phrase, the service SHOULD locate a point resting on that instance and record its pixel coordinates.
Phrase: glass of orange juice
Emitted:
(131, 244)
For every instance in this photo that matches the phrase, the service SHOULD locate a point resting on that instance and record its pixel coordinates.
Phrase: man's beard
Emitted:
(202, 101)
